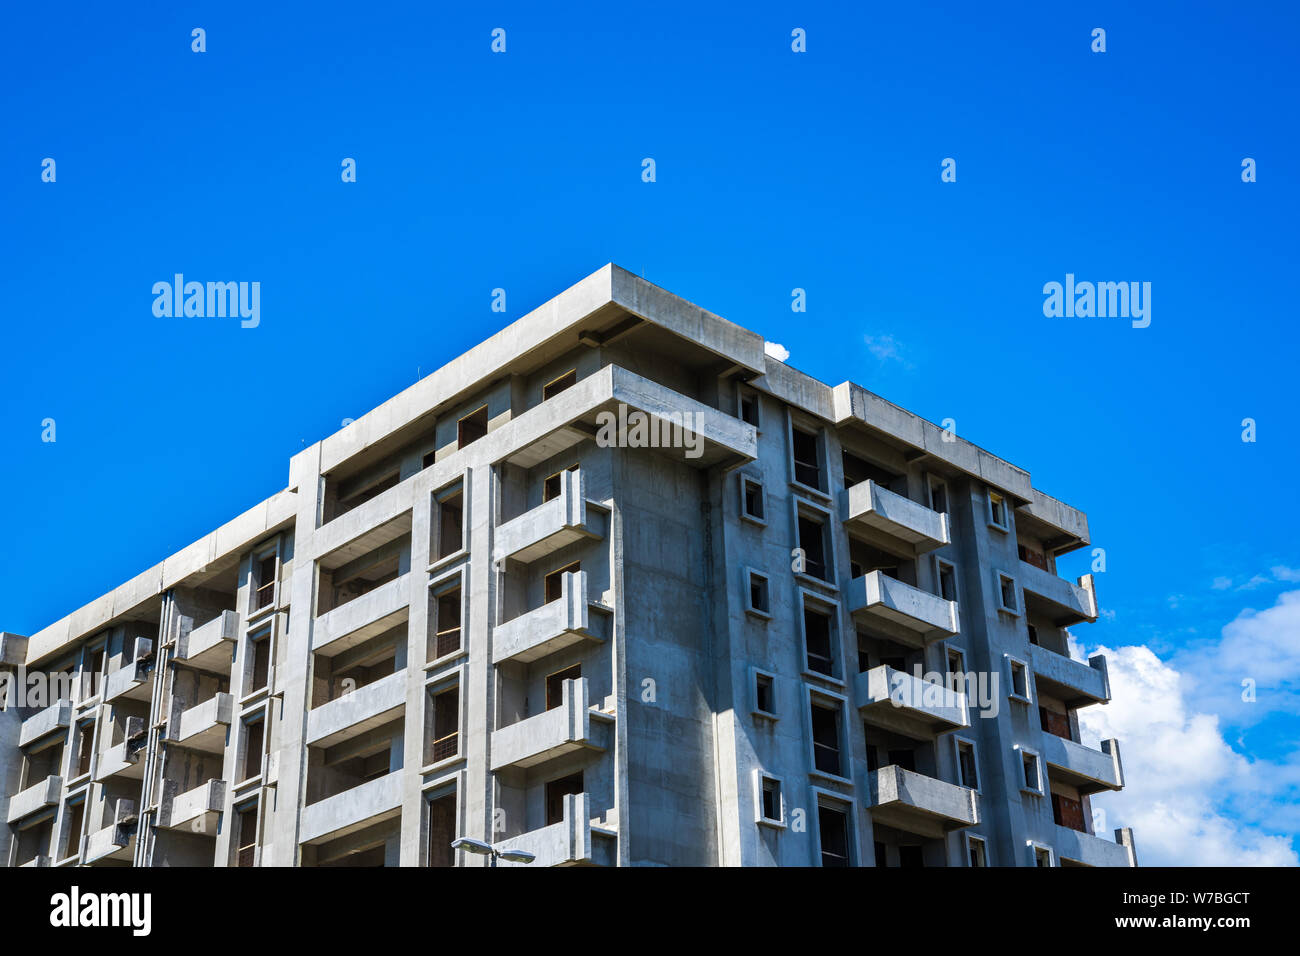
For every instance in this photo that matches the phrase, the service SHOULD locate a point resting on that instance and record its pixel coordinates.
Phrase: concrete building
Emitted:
(613, 587)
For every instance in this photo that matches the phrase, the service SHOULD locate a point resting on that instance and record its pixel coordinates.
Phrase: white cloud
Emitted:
(1221, 583)
(778, 352)
(883, 347)
(1190, 798)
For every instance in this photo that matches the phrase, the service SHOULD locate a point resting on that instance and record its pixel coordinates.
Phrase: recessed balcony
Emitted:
(1057, 599)
(210, 647)
(1073, 682)
(37, 797)
(920, 804)
(362, 618)
(363, 806)
(197, 810)
(870, 507)
(1091, 771)
(571, 619)
(901, 609)
(901, 702)
(553, 524)
(357, 711)
(204, 727)
(54, 718)
(1083, 849)
(574, 841)
(553, 733)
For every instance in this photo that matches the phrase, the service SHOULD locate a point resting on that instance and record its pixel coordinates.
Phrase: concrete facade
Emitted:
(470, 613)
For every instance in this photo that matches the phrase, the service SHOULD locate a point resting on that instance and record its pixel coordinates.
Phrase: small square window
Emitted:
(976, 852)
(751, 499)
(258, 673)
(967, 766)
(947, 579)
(759, 601)
(1042, 855)
(771, 808)
(998, 511)
(557, 385)
(1007, 600)
(1018, 673)
(764, 694)
(806, 448)
(938, 495)
(1033, 780)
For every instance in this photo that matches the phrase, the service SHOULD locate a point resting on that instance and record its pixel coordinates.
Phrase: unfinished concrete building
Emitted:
(472, 613)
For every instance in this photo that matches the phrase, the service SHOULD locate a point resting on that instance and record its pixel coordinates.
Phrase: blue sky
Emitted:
(775, 170)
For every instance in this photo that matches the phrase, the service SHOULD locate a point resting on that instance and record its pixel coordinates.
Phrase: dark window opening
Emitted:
(445, 733)
(450, 525)
(446, 623)
(246, 834)
(817, 634)
(763, 694)
(556, 791)
(553, 583)
(833, 831)
(813, 544)
(826, 739)
(807, 463)
(556, 386)
(555, 685)
(442, 831)
(265, 593)
(254, 745)
(472, 427)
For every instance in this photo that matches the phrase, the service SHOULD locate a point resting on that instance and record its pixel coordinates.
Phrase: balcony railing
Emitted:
(571, 842)
(553, 524)
(1056, 598)
(198, 810)
(553, 733)
(919, 804)
(554, 626)
(210, 647)
(365, 805)
(363, 617)
(204, 727)
(905, 704)
(37, 797)
(1073, 682)
(1091, 771)
(53, 718)
(358, 711)
(870, 506)
(902, 609)
(1084, 849)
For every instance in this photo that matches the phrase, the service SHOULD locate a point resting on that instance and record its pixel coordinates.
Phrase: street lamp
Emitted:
(470, 845)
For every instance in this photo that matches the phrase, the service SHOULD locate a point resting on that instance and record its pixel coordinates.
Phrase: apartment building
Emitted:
(473, 613)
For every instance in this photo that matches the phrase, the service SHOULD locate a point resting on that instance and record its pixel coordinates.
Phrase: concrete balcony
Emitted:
(54, 718)
(1075, 683)
(211, 646)
(204, 727)
(1056, 598)
(197, 810)
(1084, 849)
(553, 524)
(364, 806)
(35, 798)
(920, 804)
(553, 626)
(1090, 770)
(113, 842)
(124, 761)
(358, 711)
(553, 733)
(573, 841)
(900, 608)
(132, 681)
(905, 704)
(362, 618)
(870, 507)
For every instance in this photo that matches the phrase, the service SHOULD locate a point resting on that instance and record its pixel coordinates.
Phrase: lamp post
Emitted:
(470, 845)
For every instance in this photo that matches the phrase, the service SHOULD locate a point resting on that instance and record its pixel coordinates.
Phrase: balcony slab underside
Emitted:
(912, 528)
(904, 704)
(901, 610)
(919, 804)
